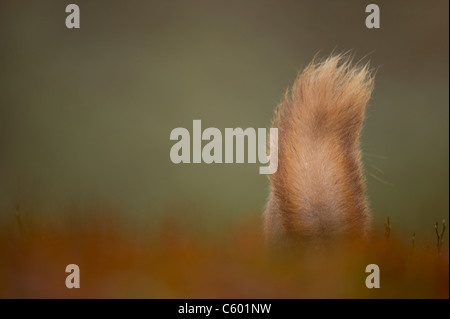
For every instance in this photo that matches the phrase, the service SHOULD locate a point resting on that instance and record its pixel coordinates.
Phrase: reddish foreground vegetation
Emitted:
(173, 260)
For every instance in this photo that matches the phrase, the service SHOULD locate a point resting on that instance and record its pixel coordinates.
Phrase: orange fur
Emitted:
(318, 191)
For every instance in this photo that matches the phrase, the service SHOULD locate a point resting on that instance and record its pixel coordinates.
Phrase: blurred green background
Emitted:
(85, 115)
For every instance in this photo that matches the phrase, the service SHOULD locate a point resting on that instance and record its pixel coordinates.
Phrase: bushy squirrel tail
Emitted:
(318, 190)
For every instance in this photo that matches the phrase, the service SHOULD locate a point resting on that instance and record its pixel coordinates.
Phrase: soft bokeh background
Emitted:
(85, 115)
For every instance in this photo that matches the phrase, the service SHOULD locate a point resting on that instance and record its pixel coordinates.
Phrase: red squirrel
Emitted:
(318, 191)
